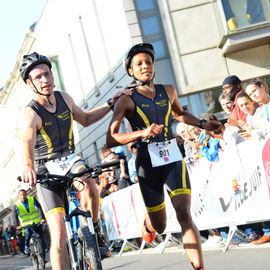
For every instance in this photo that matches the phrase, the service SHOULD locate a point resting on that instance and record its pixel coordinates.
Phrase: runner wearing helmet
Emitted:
(47, 137)
(149, 110)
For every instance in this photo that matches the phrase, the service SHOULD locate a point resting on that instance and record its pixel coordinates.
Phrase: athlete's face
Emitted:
(246, 105)
(42, 78)
(256, 93)
(142, 67)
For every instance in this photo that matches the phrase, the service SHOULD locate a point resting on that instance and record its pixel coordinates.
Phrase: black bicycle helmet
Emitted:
(30, 61)
(138, 48)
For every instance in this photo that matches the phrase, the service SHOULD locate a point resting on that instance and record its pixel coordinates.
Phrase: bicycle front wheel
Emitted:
(39, 253)
(89, 255)
(34, 259)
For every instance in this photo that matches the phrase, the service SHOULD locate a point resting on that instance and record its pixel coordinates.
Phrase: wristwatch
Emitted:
(110, 104)
(200, 125)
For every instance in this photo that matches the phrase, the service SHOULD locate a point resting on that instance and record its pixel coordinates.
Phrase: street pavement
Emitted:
(173, 258)
(18, 262)
(235, 258)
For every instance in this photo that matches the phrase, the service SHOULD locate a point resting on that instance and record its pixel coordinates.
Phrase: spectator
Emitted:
(209, 140)
(257, 91)
(131, 163)
(13, 240)
(115, 179)
(232, 87)
(226, 103)
(7, 235)
(2, 240)
(246, 104)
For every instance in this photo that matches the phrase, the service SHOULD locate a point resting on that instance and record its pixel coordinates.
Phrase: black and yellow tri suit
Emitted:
(152, 179)
(53, 140)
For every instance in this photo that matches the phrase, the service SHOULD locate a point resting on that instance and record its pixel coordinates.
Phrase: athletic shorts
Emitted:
(152, 180)
(13, 243)
(52, 197)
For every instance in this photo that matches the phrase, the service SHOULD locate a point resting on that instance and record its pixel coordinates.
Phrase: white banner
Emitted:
(214, 204)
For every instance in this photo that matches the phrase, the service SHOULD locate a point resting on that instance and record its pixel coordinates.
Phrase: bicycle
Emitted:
(35, 250)
(81, 238)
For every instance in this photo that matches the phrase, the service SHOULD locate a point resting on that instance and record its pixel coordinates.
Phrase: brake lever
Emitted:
(97, 170)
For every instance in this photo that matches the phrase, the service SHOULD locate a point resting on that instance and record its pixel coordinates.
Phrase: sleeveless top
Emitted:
(55, 137)
(148, 111)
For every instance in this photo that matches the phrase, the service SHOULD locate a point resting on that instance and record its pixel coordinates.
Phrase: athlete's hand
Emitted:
(152, 131)
(29, 175)
(127, 92)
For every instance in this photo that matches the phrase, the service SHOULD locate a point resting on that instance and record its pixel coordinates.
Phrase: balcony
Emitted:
(245, 38)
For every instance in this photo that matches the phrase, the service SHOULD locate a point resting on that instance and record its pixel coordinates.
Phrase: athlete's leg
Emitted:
(156, 221)
(88, 191)
(53, 203)
(58, 251)
(191, 236)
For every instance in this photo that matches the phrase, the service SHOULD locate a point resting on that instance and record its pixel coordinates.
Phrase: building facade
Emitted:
(197, 42)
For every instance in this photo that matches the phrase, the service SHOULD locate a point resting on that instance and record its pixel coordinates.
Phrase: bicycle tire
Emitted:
(88, 250)
(34, 258)
(39, 253)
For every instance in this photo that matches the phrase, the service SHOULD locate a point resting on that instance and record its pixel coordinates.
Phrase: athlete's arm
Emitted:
(124, 107)
(30, 123)
(184, 116)
(90, 117)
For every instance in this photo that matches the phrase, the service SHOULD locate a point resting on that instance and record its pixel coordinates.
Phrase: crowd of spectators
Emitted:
(10, 240)
(247, 111)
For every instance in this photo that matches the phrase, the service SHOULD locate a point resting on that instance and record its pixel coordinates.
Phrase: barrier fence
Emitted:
(214, 203)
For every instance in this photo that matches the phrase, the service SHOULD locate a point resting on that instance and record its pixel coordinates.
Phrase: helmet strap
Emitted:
(38, 92)
(143, 83)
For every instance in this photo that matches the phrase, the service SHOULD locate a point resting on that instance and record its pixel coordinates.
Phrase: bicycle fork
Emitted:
(70, 236)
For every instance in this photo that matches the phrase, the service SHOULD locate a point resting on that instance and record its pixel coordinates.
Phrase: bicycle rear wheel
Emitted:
(89, 255)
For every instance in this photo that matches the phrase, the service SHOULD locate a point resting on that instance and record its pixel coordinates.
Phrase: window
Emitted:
(150, 25)
(246, 24)
(159, 49)
(149, 20)
(242, 13)
(145, 5)
(198, 103)
(58, 81)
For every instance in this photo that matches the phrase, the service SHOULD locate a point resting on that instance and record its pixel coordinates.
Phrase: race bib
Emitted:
(61, 166)
(163, 153)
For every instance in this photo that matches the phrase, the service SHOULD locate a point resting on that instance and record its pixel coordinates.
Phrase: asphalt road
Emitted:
(236, 258)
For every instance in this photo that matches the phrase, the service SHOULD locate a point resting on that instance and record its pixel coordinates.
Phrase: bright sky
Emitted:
(16, 17)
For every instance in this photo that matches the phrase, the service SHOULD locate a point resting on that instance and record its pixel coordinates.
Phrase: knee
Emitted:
(58, 240)
(183, 214)
(90, 188)
(159, 227)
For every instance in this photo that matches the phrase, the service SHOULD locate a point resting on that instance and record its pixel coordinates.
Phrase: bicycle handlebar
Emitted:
(94, 170)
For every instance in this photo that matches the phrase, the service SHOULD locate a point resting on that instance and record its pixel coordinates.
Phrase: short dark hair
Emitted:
(244, 94)
(224, 96)
(257, 81)
(232, 79)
